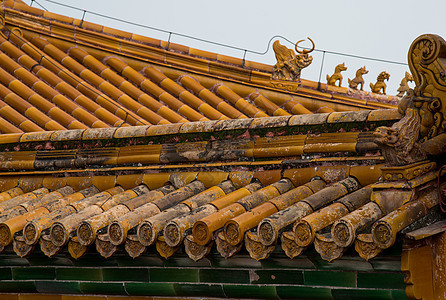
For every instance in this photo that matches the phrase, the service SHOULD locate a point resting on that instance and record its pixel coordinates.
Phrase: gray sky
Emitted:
(378, 29)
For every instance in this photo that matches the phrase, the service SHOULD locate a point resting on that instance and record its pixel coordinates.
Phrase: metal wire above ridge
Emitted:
(213, 42)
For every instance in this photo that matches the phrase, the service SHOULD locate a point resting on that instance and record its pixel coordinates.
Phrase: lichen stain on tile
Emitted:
(253, 276)
(331, 174)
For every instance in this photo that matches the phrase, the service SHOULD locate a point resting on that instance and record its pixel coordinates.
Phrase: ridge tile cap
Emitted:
(164, 129)
(131, 131)
(348, 116)
(199, 126)
(36, 136)
(269, 122)
(67, 135)
(308, 119)
(233, 124)
(98, 133)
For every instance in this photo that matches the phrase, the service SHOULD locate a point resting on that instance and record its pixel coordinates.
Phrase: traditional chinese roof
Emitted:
(117, 145)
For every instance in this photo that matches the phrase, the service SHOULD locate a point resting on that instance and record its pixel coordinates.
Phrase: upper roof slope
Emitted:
(61, 73)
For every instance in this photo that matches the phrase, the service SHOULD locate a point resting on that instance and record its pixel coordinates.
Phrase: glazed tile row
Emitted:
(214, 276)
(205, 141)
(196, 212)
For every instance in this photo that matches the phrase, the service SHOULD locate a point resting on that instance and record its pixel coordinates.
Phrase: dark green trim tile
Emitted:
(94, 259)
(13, 260)
(17, 287)
(330, 278)
(173, 275)
(103, 288)
(235, 262)
(43, 260)
(224, 276)
(287, 263)
(303, 292)
(386, 264)
(277, 277)
(176, 262)
(58, 287)
(250, 291)
(199, 290)
(125, 274)
(26, 273)
(79, 274)
(142, 261)
(149, 289)
(342, 294)
(399, 295)
(381, 280)
(343, 264)
(5, 274)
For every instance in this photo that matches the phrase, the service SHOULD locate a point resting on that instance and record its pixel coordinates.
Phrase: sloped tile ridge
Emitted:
(202, 126)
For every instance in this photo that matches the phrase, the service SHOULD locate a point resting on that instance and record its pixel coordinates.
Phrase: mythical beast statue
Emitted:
(290, 64)
(400, 143)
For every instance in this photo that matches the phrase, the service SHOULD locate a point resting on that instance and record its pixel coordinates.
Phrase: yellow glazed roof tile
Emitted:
(175, 99)
(138, 129)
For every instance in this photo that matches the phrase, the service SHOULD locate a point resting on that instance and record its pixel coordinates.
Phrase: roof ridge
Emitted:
(378, 115)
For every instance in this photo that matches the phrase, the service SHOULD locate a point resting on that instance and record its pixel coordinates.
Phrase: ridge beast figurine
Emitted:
(380, 84)
(358, 80)
(331, 80)
(289, 64)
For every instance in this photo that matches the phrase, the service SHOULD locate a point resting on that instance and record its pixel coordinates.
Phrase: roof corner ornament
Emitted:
(289, 64)
(404, 86)
(422, 130)
(358, 80)
(331, 80)
(380, 84)
(400, 143)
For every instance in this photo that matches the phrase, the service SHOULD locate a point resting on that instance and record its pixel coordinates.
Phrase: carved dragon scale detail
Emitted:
(421, 131)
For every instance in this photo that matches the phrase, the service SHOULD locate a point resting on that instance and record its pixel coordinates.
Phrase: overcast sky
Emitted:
(377, 29)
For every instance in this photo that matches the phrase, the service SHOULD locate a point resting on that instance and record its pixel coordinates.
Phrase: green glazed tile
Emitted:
(386, 263)
(235, 262)
(94, 259)
(173, 275)
(303, 292)
(186, 262)
(286, 262)
(224, 276)
(127, 261)
(17, 287)
(250, 291)
(342, 294)
(43, 260)
(277, 277)
(399, 295)
(79, 274)
(25, 273)
(104, 288)
(381, 280)
(199, 290)
(343, 264)
(5, 274)
(328, 278)
(125, 274)
(58, 287)
(13, 260)
(149, 289)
